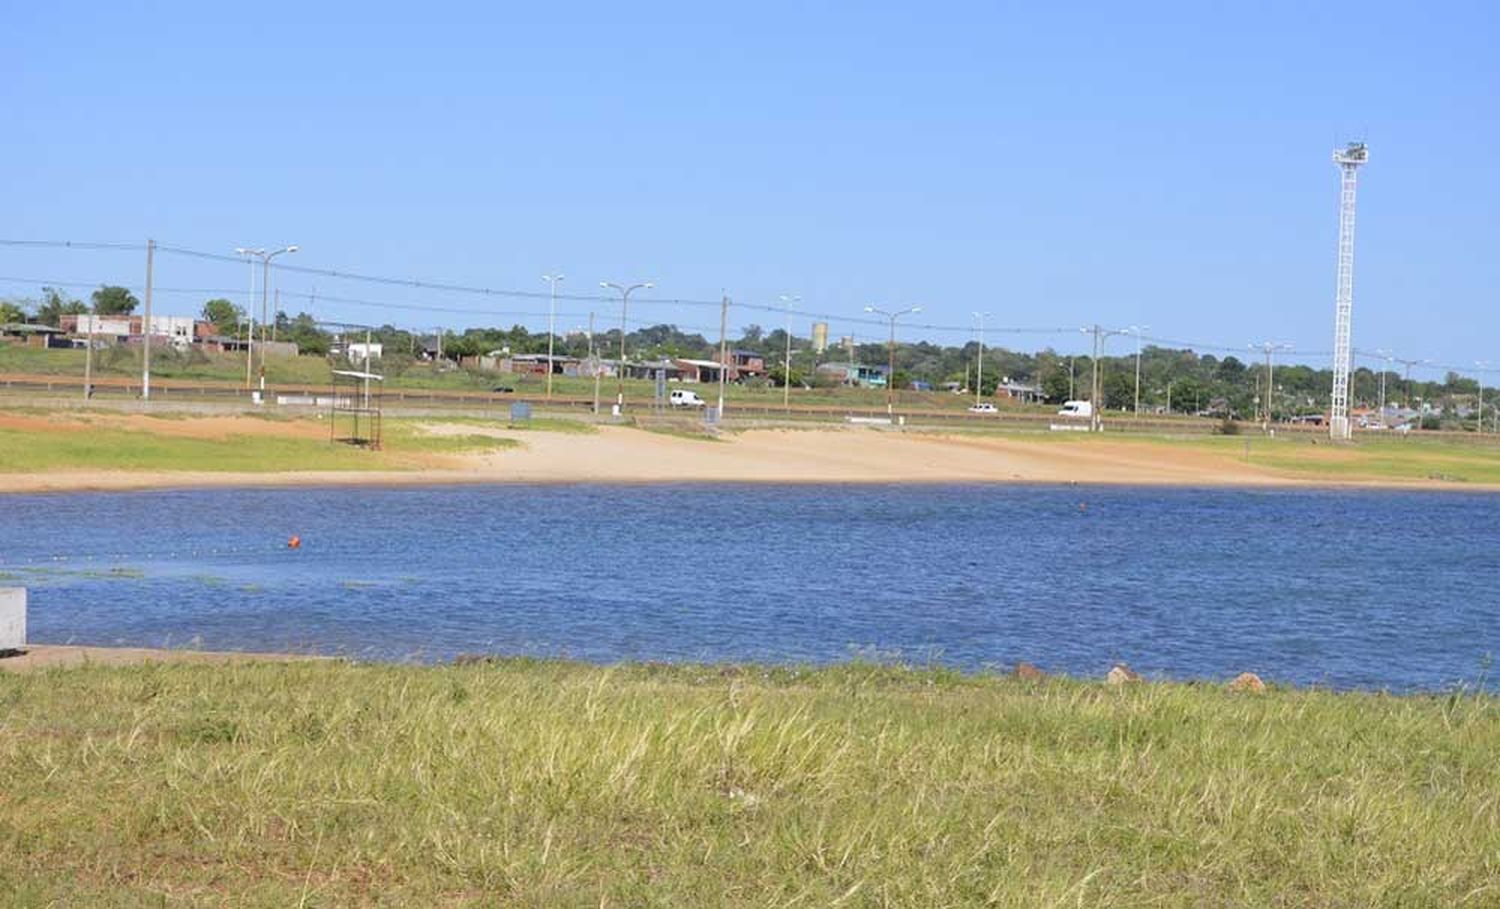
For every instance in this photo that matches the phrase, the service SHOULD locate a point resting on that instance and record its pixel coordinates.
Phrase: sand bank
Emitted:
(824, 456)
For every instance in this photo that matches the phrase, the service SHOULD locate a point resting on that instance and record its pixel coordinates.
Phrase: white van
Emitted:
(1077, 409)
(681, 397)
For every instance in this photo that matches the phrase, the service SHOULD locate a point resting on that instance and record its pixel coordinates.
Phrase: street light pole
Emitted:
(249, 255)
(890, 378)
(625, 291)
(786, 363)
(979, 368)
(265, 287)
(552, 281)
(1101, 334)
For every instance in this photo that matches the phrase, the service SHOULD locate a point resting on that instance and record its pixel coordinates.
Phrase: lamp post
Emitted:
(249, 255)
(786, 363)
(979, 364)
(1136, 330)
(265, 300)
(552, 282)
(625, 291)
(1101, 334)
(890, 378)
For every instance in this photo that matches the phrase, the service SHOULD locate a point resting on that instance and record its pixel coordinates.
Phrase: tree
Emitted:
(11, 312)
(225, 316)
(112, 300)
(55, 305)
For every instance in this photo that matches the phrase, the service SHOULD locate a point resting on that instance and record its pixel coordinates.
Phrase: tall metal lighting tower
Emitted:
(1349, 160)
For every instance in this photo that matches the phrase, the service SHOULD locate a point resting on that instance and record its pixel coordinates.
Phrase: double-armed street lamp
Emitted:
(890, 378)
(265, 258)
(625, 292)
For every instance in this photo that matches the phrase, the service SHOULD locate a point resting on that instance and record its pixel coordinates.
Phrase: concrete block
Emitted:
(12, 618)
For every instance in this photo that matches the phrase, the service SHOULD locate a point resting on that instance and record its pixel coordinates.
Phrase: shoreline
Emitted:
(829, 456)
(94, 481)
(36, 657)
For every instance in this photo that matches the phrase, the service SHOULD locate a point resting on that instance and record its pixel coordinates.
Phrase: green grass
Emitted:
(553, 784)
(114, 448)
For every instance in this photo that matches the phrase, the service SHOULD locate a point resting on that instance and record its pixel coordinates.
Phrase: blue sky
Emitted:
(1166, 165)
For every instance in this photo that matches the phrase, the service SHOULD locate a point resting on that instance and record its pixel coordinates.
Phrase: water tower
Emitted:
(819, 337)
(1349, 159)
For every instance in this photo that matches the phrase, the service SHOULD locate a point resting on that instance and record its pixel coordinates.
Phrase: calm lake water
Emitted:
(1351, 589)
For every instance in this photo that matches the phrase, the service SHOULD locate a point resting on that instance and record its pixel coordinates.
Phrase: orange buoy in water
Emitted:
(295, 542)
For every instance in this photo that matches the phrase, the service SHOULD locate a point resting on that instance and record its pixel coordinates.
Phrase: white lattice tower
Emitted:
(1349, 160)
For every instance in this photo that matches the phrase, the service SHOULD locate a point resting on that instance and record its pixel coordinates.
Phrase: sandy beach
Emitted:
(617, 454)
(827, 453)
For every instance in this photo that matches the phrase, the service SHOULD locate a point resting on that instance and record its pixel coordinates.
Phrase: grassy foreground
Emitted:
(554, 784)
(111, 447)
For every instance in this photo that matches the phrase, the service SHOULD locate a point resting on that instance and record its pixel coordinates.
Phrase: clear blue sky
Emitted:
(1167, 165)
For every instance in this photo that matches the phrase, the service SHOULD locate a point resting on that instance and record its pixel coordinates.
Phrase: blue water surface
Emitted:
(1350, 589)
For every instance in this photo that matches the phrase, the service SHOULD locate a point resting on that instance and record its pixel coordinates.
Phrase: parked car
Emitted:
(1076, 409)
(681, 397)
(982, 407)
(503, 389)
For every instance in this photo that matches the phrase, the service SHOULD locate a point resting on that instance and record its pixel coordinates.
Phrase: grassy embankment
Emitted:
(1412, 458)
(113, 447)
(552, 784)
(313, 371)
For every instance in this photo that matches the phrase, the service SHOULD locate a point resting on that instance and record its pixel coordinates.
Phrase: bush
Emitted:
(1228, 427)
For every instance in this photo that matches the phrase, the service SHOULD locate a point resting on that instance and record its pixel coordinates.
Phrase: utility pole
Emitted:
(594, 362)
(1349, 160)
(248, 253)
(1269, 347)
(890, 378)
(1386, 356)
(979, 366)
(1136, 330)
(552, 281)
(723, 350)
(1409, 364)
(1483, 366)
(88, 354)
(146, 325)
(276, 316)
(786, 363)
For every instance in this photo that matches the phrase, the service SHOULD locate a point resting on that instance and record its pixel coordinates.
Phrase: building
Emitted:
(1008, 389)
(819, 337)
(853, 374)
(743, 364)
(24, 334)
(179, 330)
(537, 364)
(702, 370)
